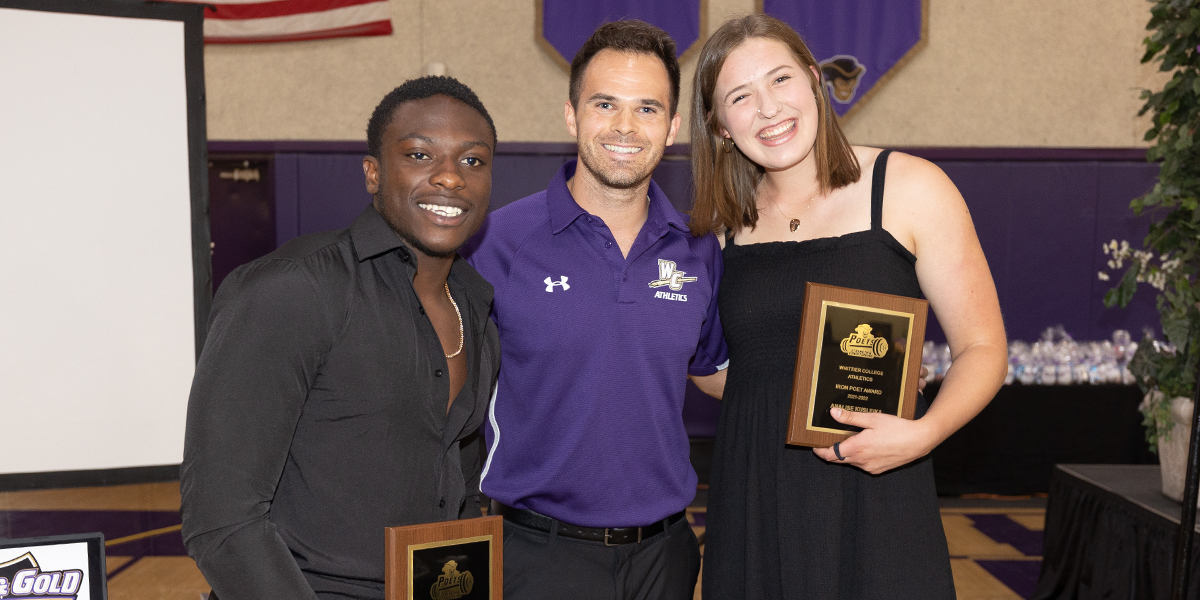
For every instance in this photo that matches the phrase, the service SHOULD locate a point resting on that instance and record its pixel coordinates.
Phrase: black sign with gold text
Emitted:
(455, 571)
(854, 354)
(451, 560)
(861, 364)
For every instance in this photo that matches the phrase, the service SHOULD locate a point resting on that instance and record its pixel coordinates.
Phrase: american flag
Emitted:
(260, 21)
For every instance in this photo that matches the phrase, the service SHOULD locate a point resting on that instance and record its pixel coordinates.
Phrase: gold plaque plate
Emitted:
(858, 351)
(452, 560)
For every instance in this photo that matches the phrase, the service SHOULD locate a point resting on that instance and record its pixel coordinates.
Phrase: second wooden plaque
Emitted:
(453, 560)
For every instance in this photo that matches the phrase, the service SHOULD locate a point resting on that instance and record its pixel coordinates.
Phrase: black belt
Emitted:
(610, 536)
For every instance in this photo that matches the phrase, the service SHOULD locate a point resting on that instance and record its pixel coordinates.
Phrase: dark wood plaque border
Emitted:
(398, 539)
(815, 295)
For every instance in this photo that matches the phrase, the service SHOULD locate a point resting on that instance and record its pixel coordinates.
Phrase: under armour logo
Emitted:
(668, 276)
(550, 283)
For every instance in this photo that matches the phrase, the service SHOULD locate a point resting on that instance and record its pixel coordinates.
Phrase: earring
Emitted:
(727, 145)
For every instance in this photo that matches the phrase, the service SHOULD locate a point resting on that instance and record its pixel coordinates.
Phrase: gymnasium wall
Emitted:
(1029, 75)
(1023, 73)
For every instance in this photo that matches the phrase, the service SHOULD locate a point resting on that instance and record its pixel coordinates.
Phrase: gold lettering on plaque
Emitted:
(861, 409)
(452, 585)
(864, 345)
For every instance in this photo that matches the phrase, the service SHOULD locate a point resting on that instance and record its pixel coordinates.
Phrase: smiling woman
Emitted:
(774, 172)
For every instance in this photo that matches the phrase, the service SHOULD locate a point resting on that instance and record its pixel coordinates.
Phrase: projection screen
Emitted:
(104, 262)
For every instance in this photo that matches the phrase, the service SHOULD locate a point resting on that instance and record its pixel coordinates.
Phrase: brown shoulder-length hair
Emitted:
(726, 182)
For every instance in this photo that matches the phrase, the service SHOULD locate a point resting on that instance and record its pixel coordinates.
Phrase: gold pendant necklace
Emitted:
(794, 224)
(461, 337)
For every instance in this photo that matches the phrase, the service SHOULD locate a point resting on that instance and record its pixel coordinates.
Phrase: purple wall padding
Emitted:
(240, 213)
(1041, 225)
(1041, 216)
(326, 191)
(515, 176)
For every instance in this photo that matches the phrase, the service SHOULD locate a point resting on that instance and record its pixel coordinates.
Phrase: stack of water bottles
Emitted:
(1055, 359)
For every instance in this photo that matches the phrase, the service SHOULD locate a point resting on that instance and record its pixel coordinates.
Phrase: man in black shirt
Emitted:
(346, 374)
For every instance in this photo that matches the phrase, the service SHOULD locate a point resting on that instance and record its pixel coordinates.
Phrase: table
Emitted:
(1110, 533)
(1012, 446)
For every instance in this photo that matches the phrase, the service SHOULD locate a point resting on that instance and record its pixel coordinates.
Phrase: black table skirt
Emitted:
(1012, 446)
(1110, 533)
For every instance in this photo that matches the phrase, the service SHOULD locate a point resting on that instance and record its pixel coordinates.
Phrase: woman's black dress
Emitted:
(781, 522)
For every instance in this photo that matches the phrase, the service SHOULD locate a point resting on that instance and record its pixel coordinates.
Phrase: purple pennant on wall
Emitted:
(859, 43)
(567, 24)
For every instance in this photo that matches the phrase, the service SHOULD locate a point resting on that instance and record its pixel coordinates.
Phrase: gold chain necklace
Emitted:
(794, 224)
(460, 324)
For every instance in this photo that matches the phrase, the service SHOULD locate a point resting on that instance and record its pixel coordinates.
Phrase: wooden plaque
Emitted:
(858, 351)
(453, 560)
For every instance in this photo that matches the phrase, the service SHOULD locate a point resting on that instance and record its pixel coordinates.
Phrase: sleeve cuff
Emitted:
(704, 371)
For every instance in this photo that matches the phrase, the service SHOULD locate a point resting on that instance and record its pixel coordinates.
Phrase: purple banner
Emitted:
(567, 24)
(857, 42)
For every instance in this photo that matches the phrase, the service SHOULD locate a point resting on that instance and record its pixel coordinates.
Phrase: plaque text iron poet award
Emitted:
(452, 560)
(858, 351)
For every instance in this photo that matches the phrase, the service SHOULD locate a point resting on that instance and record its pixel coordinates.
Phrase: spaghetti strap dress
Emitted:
(781, 522)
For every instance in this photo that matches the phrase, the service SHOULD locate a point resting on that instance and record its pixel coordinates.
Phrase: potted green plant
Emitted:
(1170, 258)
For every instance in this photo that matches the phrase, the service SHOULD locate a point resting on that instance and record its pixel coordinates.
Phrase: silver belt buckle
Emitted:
(608, 535)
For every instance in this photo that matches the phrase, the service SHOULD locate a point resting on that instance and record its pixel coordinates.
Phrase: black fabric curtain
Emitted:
(1099, 545)
(1012, 446)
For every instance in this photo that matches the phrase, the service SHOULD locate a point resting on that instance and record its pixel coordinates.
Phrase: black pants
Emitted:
(546, 566)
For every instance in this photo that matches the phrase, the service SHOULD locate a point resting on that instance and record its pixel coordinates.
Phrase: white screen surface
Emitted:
(97, 339)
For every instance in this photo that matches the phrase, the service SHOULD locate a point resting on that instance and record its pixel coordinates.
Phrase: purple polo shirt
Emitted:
(586, 424)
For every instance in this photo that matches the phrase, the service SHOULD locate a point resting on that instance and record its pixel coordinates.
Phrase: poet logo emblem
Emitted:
(668, 276)
(864, 345)
(452, 585)
(842, 74)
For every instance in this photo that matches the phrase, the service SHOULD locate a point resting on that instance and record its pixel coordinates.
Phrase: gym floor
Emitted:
(995, 544)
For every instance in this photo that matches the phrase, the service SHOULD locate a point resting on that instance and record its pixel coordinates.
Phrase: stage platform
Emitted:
(1110, 533)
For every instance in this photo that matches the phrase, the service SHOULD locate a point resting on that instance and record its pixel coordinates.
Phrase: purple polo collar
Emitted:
(564, 210)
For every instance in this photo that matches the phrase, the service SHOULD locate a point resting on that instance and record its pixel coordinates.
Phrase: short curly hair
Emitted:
(419, 89)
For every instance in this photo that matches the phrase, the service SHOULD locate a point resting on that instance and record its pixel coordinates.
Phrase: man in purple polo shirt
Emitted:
(604, 302)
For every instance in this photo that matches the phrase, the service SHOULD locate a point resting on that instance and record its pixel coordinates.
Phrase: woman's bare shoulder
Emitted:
(866, 156)
(919, 199)
(918, 180)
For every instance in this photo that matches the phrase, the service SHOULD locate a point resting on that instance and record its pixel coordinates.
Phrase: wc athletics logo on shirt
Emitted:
(669, 277)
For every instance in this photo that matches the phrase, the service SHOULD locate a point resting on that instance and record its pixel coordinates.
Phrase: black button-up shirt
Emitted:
(318, 416)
